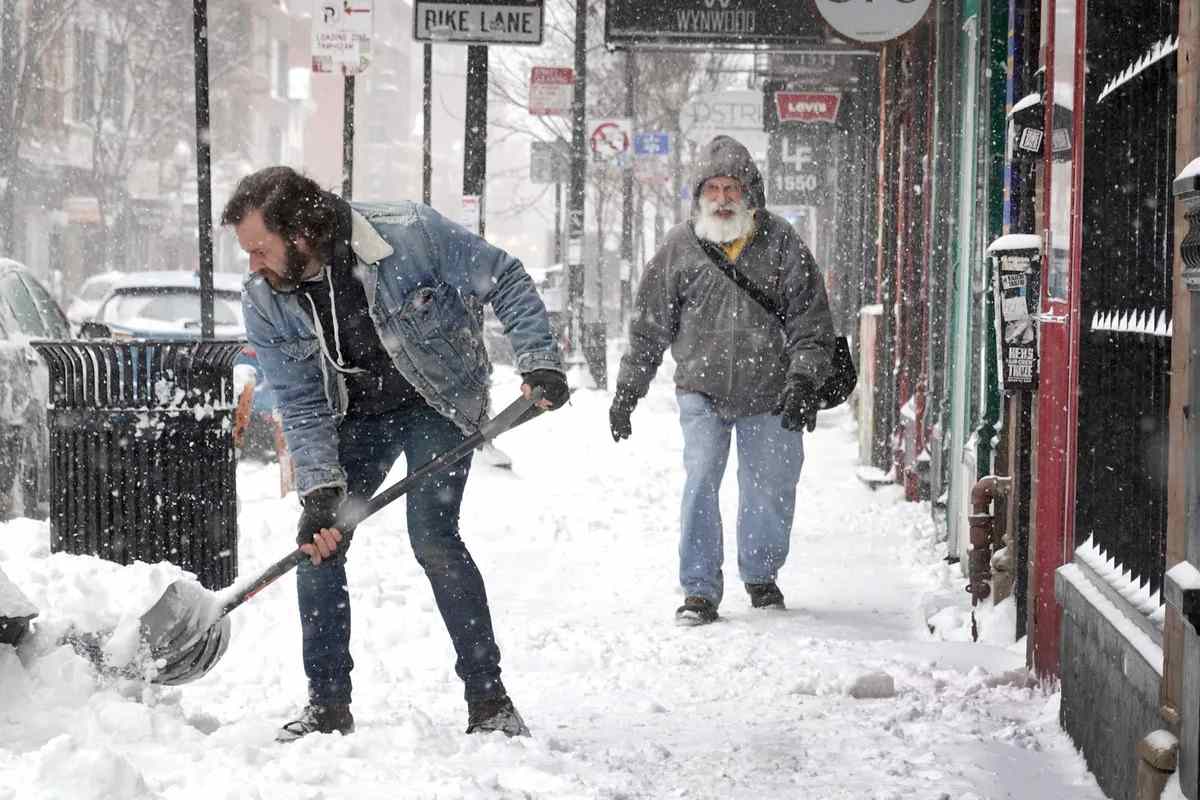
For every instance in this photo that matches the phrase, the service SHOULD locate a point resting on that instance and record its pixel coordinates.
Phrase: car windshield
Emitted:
(178, 308)
(94, 291)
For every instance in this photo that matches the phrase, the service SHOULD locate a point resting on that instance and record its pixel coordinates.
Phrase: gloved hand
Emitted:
(618, 415)
(320, 511)
(797, 405)
(552, 383)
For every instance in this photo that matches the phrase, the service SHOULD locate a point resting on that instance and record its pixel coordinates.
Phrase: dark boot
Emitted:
(695, 611)
(495, 714)
(765, 595)
(334, 718)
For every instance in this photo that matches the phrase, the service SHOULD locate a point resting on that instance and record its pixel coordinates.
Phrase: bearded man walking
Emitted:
(737, 297)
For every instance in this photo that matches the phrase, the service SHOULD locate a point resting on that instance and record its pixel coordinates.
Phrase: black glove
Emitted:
(320, 511)
(618, 415)
(552, 383)
(797, 405)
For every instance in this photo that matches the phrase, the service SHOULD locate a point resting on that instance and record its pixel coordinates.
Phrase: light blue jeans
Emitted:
(769, 462)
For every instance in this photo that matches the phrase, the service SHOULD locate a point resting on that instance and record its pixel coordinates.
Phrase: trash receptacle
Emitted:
(142, 462)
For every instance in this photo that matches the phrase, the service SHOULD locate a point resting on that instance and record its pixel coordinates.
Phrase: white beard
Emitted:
(723, 231)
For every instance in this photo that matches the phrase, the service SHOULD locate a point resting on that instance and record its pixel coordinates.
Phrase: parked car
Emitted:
(27, 311)
(166, 305)
(91, 293)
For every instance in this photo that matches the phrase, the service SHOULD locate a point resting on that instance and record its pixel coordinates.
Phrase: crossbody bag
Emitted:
(838, 386)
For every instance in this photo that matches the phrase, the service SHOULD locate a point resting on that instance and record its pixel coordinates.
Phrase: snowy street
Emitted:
(577, 544)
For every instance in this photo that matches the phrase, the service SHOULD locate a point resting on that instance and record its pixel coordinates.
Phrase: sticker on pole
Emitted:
(341, 35)
(609, 139)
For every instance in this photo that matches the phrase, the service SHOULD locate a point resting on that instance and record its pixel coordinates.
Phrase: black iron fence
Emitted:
(1127, 256)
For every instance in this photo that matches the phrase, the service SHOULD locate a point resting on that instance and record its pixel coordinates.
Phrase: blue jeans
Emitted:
(368, 447)
(769, 462)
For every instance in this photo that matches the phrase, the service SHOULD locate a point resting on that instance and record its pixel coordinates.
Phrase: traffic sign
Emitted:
(551, 90)
(609, 139)
(341, 35)
(652, 143)
(478, 21)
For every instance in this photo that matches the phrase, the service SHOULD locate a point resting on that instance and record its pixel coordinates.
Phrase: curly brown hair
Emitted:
(292, 205)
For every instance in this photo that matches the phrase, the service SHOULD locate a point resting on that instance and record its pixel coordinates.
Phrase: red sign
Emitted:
(551, 90)
(807, 106)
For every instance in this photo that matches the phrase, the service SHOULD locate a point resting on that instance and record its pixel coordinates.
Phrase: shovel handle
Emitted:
(517, 413)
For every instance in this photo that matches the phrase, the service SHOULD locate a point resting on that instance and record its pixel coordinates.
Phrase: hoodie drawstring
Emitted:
(338, 362)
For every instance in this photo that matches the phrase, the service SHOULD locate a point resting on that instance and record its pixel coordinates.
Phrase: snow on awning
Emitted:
(1158, 52)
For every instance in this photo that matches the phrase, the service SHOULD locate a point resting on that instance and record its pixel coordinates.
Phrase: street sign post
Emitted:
(478, 21)
(551, 90)
(341, 36)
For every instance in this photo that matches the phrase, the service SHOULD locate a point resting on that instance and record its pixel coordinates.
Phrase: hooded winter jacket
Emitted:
(725, 344)
(426, 280)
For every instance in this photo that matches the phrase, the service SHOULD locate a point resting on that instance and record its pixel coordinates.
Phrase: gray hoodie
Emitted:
(725, 344)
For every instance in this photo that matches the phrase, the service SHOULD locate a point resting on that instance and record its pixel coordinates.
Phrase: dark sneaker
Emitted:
(765, 595)
(495, 714)
(318, 719)
(695, 611)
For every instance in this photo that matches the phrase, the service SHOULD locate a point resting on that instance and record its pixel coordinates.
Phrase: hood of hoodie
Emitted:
(726, 157)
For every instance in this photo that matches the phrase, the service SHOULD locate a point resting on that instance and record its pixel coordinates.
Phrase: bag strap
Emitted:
(717, 257)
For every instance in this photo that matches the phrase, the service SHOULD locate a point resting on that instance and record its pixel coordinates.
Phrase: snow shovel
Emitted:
(186, 632)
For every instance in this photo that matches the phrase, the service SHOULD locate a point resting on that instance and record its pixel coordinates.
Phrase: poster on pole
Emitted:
(341, 35)
(471, 213)
(551, 90)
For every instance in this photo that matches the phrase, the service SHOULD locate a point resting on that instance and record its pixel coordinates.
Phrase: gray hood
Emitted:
(727, 157)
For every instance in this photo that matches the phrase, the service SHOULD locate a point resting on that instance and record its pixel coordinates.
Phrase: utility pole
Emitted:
(203, 166)
(576, 195)
(427, 127)
(627, 215)
(558, 225)
(475, 133)
(348, 137)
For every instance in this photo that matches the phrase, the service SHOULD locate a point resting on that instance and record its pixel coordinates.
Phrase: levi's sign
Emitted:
(478, 22)
(807, 106)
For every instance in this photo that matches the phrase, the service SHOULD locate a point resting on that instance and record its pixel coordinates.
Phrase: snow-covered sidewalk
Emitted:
(577, 544)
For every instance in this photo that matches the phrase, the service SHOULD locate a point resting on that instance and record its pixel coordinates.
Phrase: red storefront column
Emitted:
(1057, 403)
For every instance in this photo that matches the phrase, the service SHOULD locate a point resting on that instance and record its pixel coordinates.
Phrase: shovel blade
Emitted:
(184, 633)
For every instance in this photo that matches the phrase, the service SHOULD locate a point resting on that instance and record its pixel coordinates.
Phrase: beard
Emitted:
(293, 270)
(723, 230)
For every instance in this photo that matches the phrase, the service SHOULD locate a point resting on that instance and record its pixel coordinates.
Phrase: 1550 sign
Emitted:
(797, 162)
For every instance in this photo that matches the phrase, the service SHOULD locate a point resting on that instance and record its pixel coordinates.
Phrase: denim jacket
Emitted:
(426, 281)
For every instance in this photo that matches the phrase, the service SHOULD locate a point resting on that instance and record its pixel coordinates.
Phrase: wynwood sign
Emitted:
(630, 23)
